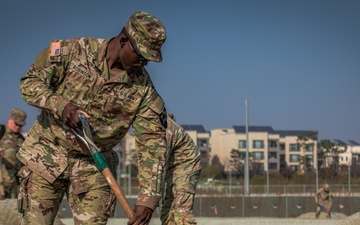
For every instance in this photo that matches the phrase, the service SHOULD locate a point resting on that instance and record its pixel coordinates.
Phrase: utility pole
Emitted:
(246, 181)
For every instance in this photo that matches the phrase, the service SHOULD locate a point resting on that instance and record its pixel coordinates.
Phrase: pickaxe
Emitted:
(85, 136)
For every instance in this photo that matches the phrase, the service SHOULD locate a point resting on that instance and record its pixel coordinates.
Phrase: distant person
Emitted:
(10, 141)
(323, 201)
(182, 173)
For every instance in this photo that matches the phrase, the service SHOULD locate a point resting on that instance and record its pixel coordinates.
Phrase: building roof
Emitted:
(269, 129)
(284, 133)
(197, 128)
(242, 129)
(353, 143)
(348, 143)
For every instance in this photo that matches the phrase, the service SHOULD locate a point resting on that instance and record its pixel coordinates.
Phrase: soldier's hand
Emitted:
(142, 216)
(70, 115)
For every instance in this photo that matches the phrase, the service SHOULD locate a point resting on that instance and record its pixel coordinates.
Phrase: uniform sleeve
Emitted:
(38, 85)
(149, 130)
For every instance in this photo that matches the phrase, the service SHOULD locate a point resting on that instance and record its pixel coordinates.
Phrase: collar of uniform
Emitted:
(102, 53)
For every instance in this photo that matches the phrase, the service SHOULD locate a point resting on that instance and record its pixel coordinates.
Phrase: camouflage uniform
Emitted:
(182, 172)
(10, 143)
(324, 198)
(76, 71)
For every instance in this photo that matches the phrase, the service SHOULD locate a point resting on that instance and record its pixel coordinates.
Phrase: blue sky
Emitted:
(296, 61)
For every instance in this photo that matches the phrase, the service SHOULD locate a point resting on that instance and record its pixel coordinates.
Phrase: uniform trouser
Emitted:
(10, 182)
(178, 201)
(318, 211)
(182, 172)
(39, 200)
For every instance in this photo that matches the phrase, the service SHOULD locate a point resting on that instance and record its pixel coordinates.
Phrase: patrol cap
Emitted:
(149, 34)
(19, 116)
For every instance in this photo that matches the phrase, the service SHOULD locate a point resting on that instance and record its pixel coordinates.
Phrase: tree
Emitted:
(305, 142)
(330, 151)
(235, 164)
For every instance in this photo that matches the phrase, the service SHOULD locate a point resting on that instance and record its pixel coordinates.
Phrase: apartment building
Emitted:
(202, 139)
(126, 148)
(350, 157)
(269, 149)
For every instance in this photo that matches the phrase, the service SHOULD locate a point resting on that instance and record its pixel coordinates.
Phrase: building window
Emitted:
(282, 146)
(294, 168)
(272, 144)
(258, 168)
(272, 166)
(294, 158)
(242, 144)
(272, 155)
(258, 144)
(203, 154)
(202, 143)
(294, 148)
(310, 148)
(258, 155)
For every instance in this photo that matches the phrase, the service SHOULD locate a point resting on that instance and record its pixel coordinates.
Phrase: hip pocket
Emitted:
(23, 200)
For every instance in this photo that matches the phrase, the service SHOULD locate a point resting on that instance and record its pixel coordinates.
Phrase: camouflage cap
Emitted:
(149, 34)
(19, 116)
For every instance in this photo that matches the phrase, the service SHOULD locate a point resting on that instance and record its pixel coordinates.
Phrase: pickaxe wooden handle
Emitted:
(86, 137)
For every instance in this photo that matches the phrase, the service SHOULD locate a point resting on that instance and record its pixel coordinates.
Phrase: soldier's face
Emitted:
(14, 127)
(133, 60)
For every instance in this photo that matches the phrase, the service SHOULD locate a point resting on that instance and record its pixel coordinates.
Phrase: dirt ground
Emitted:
(9, 215)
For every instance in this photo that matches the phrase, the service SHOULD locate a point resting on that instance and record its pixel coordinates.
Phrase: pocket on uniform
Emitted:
(23, 202)
(110, 204)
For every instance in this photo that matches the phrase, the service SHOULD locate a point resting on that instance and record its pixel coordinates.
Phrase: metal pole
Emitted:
(129, 182)
(349, 187)
(317, 169)
(130, 162)
(267, 177)
(247, 151)
(230, 181)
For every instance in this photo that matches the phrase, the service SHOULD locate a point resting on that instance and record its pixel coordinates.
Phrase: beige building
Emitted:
(202, 139)
(126, 148)
(269, 149)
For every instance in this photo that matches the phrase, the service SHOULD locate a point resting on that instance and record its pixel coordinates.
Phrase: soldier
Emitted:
(182, 172)
(106, 80)
(323, 201)
(10, 142)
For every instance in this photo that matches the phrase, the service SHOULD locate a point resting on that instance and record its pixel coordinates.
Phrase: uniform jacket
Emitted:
(76, 71)
(324, 197)
(10, 143)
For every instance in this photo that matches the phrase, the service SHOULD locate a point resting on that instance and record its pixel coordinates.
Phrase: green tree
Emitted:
(305, 142)
(330, 151)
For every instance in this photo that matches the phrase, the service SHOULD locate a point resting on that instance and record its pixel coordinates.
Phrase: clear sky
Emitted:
(296, 61)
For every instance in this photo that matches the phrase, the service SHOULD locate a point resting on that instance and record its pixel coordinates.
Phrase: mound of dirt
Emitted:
(10, 216)
(311, 215)
(354, 219)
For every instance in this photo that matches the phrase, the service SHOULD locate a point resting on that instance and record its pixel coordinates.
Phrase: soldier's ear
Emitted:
(123, 41)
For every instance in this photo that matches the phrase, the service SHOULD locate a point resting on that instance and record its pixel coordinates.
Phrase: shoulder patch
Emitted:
(55, 48)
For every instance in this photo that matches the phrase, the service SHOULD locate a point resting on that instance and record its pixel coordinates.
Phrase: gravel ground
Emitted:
(308, 219)
(236, 221)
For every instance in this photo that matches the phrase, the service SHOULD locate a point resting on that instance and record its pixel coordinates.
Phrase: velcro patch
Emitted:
(55, 48)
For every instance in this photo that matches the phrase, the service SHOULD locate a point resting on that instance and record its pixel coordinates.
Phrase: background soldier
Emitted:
(10, 141)
(182, 173)
(323, 201)
(106, 80)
